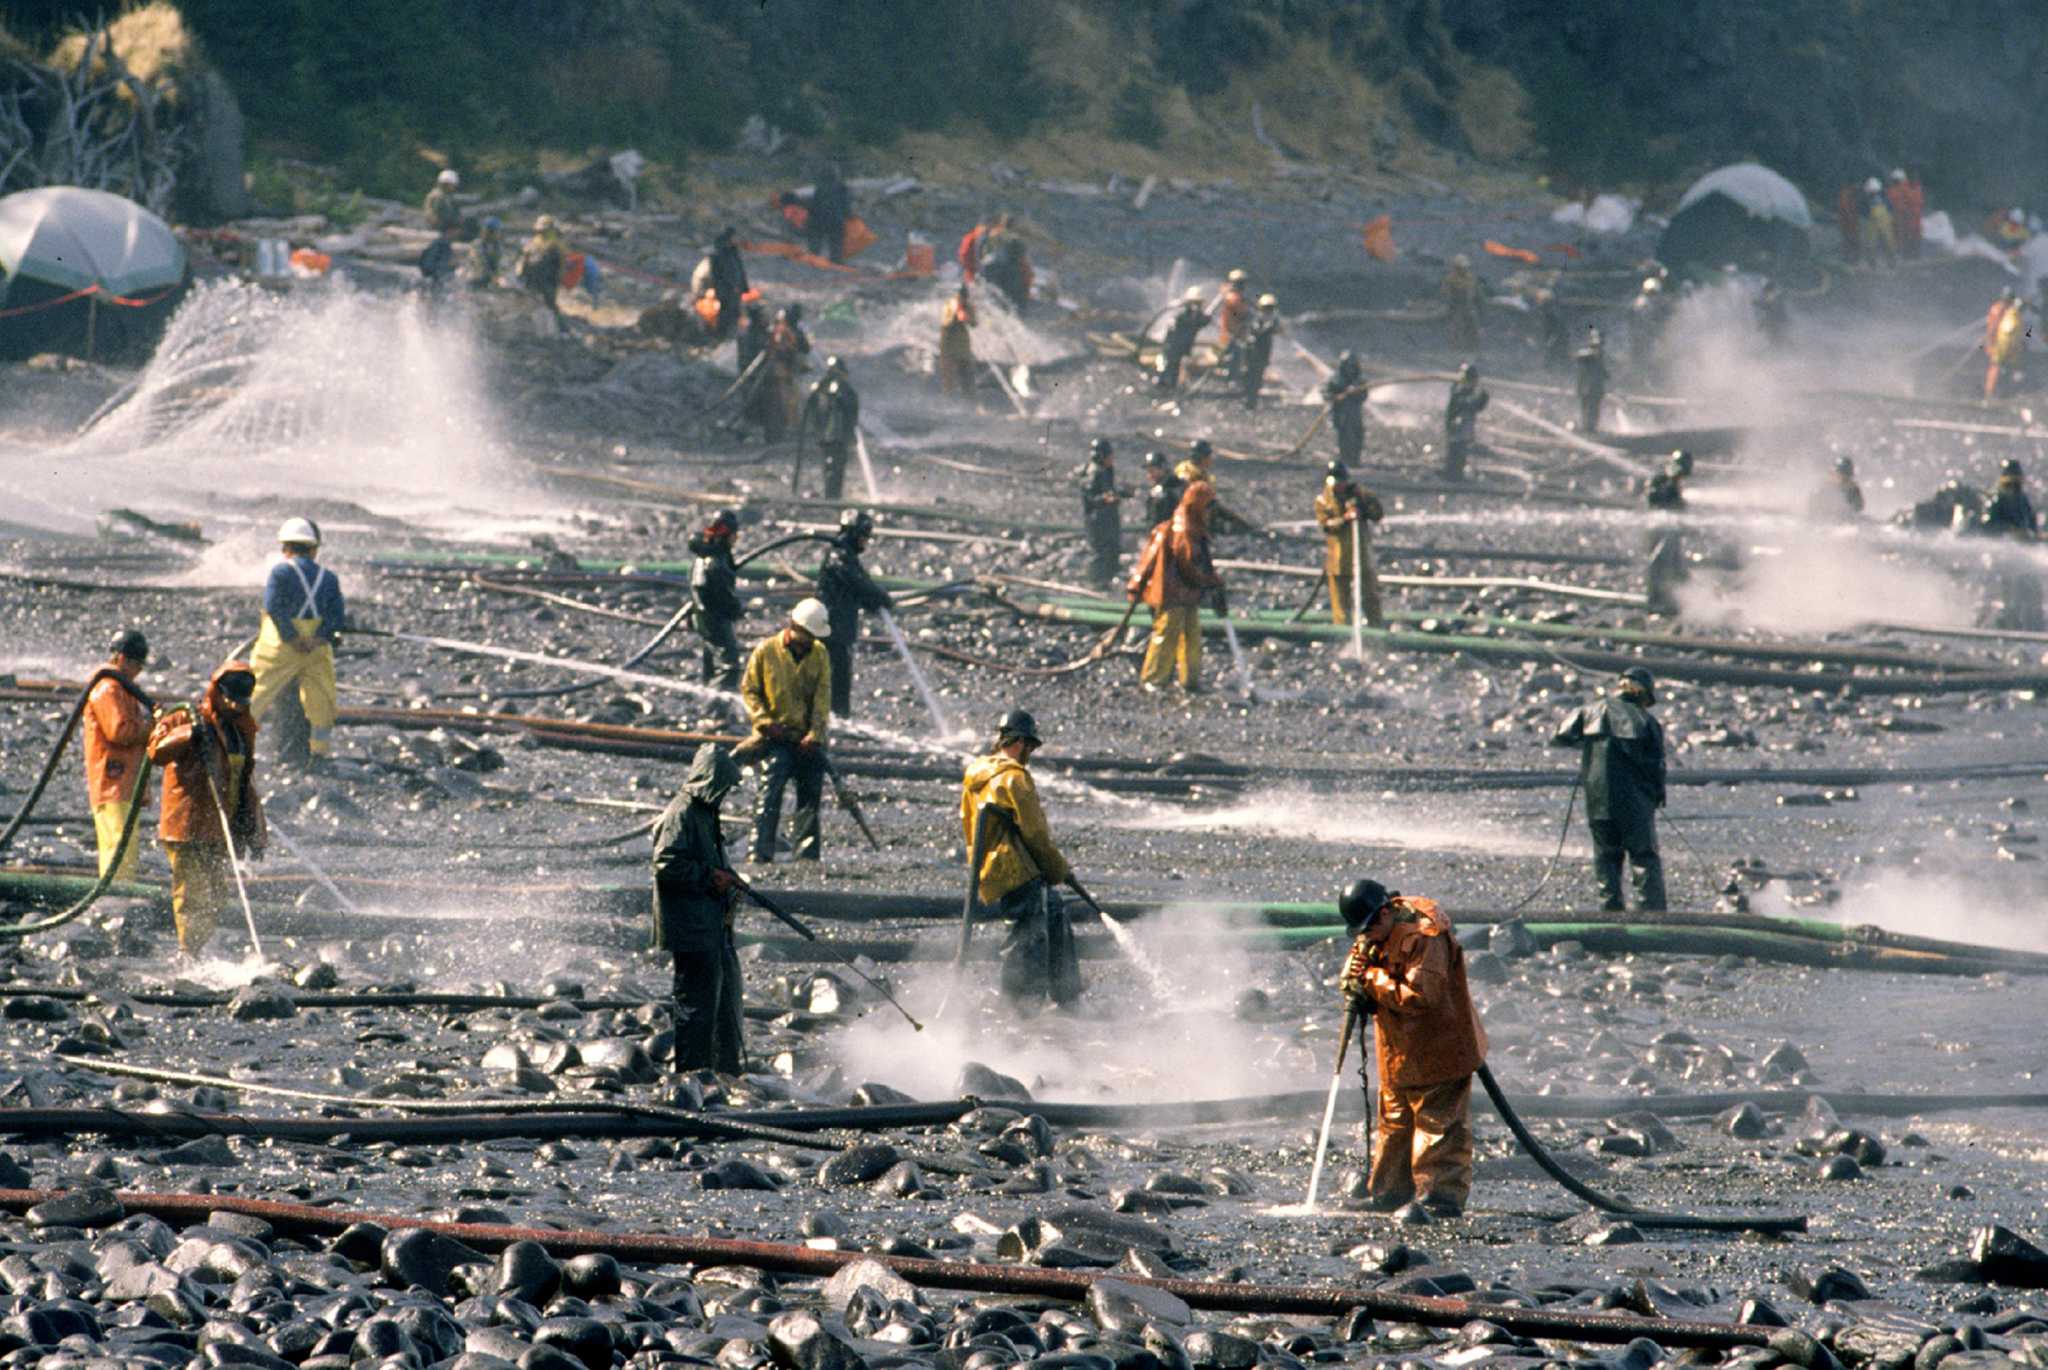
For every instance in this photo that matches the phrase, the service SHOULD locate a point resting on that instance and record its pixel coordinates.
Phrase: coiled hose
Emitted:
(135, 806)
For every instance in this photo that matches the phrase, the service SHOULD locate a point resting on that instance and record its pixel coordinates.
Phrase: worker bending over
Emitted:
(1020, 869)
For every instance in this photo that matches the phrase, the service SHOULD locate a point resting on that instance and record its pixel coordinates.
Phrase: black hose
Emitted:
(64, 740)
(1563, 834)
(1618, 1207)
(106, 880)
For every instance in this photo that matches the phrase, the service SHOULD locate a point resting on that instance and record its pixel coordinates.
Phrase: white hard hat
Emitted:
(810, 616)
(1872, 184)
(298, 530)
(1651, 285)
(1192, 295)
(1461, 261)
(1898, 173)
(1239, 276)
(448, 178)
(1269, 301)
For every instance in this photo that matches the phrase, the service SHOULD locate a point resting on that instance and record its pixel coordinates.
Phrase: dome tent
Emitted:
(1744, 213)
(84, 271)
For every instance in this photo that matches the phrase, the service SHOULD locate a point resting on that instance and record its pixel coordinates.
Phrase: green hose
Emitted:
(64, 740)
(105, 882)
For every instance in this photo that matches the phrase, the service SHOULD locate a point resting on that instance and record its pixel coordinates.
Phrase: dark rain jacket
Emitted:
(1592, 370)
(1185, 328)
(2011, 512)
(714, 580)
(1346, 397)
(1665, 491)
(1621, 759)
(1100, 506)
(832, 411)
(1162, 499)
(1462, 410)
(846, 588)
(689, 844)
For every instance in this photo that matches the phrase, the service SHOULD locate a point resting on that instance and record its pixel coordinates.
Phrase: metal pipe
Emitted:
(666, 1249)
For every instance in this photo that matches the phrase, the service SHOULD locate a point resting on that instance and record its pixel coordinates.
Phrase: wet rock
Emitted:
(34, 1009)
(978, 1081)
(1840, 1168)
(902, 1180)
(1412, 1214)
(1356, 1325)
(1881, 1348)
(1124, 1200)
(549, 1358)
(1226, 1183)
(628, 1060)
(1615, 1234)
(91, 1207)
(417, 1256)
(802, 1341)
(862, 1163)
(587, 1340)
(1211, 1349)
(592, 1276)
(13, 1175)
(262, 1002)
(208, 1151)
(1829, 1286)
(1759, 1313)
(1745, 1121)
(1486, 968)
(1798, 1348)
(1512, 941)
(873, 1275)
(873, 1095)
(2008, 1258)
(1936, 1350)
(736, 1173)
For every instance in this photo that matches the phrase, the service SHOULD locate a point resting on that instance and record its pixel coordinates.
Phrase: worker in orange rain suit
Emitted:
(208, 758)
(1407, 969)
(1909, 206)
(1021, 869)
(117, 718)
(1233, 316)
(956, 344)
(1174, 576)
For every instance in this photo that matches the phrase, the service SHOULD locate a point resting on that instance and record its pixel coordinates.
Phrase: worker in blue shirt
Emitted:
(303, 612)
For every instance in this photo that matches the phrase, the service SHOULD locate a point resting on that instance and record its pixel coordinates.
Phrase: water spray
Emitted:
(1357, 588)
(1238, 664)
(312, 868)
(234, 856)
(804, 931)
(940, 722)
(867, 466)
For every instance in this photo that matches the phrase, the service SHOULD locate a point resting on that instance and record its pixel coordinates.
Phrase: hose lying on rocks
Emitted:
(664, 1249)
(1621, 1207)
(70, 730)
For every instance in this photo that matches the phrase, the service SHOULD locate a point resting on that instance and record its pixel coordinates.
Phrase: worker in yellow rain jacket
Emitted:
(1020, 869)
(787, 689)
(1345, 511)
(303, 613)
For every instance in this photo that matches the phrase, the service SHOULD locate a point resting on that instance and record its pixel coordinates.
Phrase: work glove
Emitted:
(1352, 983)
(1219, 601)
(777, 732)
(808, 745)
(722, 882)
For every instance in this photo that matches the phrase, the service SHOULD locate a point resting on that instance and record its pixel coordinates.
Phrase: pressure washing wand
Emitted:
(1315, 1174)
(805, 932)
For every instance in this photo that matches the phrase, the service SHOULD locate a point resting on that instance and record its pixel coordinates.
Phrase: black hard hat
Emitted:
(793, 311)
(856, 521)
(1099, 447)
(1360, 901)
(725, 518)
(2010, 467)
(238, 685)
(1156, 458)
(1019, 724)
(1347, 360)
(835, 363)
(1845, 466)
(1200, 449)
(1468, 372)
(1337, 471)
(130, 642)
(1681, 462)
(1637, 675)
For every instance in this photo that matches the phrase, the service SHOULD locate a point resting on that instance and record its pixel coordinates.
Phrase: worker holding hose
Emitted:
(1101, 512)
(303, 614)
(832, 412)
(1345, 394)
(117, 720)
(788, 693)
(693, 904)
(1021, 869)
(1621, 768)
(1468, 398)
(1175, 575)
(1344, 511)
(714, 588)
(208, 758)
(847, 590)
(1407, 969)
